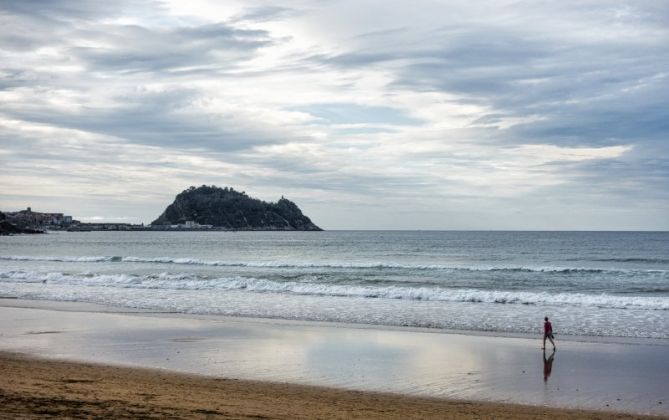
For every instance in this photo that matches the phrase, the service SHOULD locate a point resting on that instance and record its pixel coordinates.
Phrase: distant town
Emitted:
(37, 221)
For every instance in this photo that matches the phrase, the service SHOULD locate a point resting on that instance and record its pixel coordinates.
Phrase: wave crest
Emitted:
(321, 265)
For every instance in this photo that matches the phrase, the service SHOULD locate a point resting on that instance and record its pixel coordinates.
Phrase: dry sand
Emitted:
(38, 388)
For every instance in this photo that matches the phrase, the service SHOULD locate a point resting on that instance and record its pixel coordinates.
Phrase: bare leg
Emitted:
(544, 346)
(552, 342)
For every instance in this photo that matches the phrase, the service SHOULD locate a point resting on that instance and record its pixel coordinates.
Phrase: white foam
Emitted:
(568, 320)
(168, 281)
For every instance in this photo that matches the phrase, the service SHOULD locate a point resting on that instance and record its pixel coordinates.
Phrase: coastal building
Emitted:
(29, 219)
(86, 227)
(187, 225)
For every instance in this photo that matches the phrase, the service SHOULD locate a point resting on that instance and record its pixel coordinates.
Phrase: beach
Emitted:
(39, 388)
(68, 359)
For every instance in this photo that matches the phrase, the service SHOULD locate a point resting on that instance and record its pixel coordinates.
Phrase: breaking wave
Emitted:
(635, 260)
(332, 265)
(191, 282)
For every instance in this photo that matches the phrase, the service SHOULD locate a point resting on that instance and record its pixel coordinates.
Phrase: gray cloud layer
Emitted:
(487, 115)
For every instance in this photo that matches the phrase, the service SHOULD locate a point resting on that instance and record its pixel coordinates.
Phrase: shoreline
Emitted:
(78, 306)
(409, 363)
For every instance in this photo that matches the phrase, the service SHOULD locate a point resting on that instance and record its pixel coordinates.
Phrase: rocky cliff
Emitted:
(8, 228)
(230, 209)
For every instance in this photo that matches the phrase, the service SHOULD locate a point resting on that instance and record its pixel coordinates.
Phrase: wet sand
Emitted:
(268, 368)
(42, 388)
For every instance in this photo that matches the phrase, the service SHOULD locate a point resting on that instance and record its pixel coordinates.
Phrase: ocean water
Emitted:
(597, 284)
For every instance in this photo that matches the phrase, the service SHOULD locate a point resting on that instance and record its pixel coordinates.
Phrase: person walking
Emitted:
(548, 333)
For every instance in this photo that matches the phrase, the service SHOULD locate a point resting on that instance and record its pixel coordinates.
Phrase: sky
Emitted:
(368, 114)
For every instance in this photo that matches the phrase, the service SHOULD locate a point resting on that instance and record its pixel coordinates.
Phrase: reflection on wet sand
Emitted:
(548, 365)
(389, 360)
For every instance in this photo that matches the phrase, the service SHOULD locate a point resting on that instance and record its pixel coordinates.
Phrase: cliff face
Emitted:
(230, 209)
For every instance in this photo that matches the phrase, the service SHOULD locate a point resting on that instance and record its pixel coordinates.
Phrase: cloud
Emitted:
(166, 118)
(467, 113)
(69, 10)
(127, 49)
(579, 81)
(265, 13)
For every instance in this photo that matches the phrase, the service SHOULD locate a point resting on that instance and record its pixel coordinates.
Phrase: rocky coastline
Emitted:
(195, 209)
(9, 228)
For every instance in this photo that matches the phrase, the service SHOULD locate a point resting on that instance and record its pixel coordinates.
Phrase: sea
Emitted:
(590, 284)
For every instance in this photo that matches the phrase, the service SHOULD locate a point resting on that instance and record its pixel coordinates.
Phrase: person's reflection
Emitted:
(548, 365)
